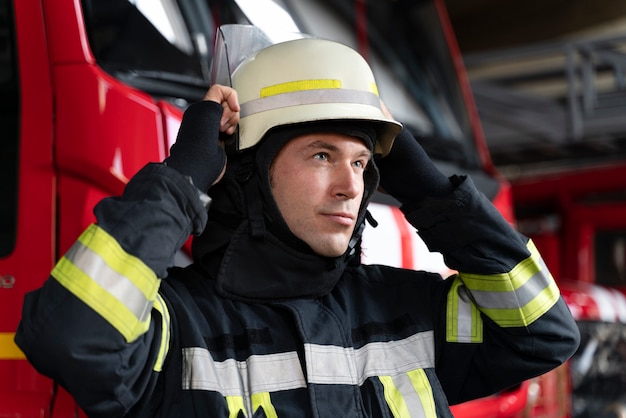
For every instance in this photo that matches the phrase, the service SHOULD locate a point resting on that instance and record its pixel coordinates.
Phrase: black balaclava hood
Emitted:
(247, 245)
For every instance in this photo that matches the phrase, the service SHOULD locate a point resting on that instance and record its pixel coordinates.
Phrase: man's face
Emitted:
(317, 181)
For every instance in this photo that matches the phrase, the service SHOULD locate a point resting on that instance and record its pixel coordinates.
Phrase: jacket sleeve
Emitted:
(501, 320)
(98, 325)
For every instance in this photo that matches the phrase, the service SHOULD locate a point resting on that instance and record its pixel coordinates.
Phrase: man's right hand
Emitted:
(227, 97)
(197, 152)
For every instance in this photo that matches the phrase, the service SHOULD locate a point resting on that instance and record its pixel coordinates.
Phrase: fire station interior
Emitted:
(549, 81)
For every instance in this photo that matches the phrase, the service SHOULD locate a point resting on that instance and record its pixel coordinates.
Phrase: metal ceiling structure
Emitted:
(557, 104)
(548, 78)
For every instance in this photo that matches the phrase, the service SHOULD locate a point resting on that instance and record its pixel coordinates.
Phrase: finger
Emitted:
(231, 130)
(231, 117)
(218, 93)
(214, 94)
(229, 121)
(231, 99)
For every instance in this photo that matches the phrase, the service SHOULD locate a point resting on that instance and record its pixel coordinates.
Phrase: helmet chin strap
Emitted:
(253, 200)
(356, 237)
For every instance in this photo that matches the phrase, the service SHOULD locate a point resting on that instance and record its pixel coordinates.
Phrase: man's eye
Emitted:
(359, 164)
(321, 156)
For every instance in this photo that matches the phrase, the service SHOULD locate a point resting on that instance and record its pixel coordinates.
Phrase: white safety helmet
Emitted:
(307, 80)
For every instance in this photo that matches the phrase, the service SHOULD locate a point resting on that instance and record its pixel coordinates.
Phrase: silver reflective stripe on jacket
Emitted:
(240, 382)
(115, 284)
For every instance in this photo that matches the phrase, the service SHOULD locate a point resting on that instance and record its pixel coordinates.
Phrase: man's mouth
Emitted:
(342, 218)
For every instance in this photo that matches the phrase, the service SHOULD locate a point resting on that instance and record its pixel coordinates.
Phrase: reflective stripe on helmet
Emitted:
(300, 85)
(308, 80)
(304, 97)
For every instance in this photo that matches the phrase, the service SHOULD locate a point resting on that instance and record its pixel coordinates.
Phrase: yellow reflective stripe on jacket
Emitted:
(235, 406)
(115, 284)
(517, 298)
(463, 321)
(421, 384)
(263, 400)
(159, 305)
(409, 395)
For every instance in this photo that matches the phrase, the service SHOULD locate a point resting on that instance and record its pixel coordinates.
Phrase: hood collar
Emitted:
(247, 246)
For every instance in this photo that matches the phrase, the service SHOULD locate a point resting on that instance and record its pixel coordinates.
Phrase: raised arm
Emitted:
(98, 325)
(502, 319)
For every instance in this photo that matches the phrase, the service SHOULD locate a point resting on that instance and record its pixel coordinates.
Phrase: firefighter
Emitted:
(276, 316)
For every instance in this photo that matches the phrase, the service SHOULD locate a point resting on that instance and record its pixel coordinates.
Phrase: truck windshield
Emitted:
(163, 47)
(159, 46)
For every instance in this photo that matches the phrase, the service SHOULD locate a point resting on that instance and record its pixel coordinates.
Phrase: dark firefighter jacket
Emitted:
(379, 342)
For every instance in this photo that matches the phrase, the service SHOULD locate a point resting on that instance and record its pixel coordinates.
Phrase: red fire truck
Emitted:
(576, 219)
(94, 89)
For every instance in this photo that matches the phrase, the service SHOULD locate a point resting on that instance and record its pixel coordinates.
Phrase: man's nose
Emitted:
(348, 181)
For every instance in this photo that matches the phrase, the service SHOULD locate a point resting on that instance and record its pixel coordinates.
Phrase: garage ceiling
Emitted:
(549, 79)
(492, 24)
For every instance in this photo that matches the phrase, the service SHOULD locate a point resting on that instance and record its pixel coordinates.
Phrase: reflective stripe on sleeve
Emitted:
(159, 305)
(115, 284)
(517, 298)
(409, 395)
(463, 321)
